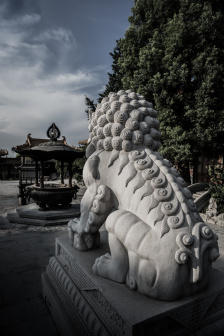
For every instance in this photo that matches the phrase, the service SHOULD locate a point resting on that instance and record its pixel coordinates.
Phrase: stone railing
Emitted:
(202, 201)
(200, 194)
(197, 187)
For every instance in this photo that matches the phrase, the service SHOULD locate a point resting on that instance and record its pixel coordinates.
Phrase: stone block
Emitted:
(83, 303)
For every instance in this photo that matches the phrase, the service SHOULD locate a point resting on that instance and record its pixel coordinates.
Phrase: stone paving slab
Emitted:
(23, 257)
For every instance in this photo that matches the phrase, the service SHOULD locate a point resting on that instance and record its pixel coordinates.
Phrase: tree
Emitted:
(216, 185)
(115, 78)
(90, 105)
(173, 54)
(78, 165)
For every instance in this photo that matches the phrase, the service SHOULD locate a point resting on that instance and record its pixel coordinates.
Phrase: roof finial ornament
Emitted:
(53, 132)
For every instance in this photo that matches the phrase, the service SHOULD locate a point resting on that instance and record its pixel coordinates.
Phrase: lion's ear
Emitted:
(90, 150)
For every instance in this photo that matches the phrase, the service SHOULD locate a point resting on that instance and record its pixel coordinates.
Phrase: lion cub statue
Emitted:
(159, 244)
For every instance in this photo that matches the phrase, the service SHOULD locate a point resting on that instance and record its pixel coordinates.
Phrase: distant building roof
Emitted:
(3, 152)
(83, 142)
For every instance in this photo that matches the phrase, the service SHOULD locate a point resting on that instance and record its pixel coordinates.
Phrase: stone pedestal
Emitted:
(30, 215)
(83, 303)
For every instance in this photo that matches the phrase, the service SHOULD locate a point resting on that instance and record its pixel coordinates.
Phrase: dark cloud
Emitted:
(15, 6)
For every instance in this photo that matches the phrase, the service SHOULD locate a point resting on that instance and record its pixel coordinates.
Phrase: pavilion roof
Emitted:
(32, 142)
(45, 149)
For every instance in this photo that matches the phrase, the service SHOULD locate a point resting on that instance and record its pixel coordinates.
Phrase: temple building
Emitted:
(7, 166)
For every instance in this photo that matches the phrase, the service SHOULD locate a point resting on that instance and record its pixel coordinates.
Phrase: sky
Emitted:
(52, 54)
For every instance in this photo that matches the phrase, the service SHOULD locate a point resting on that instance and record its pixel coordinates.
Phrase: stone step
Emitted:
(34, 213)
(30, 215)
(15, 218)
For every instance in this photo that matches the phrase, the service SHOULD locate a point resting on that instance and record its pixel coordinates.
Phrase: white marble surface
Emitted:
(159, 244)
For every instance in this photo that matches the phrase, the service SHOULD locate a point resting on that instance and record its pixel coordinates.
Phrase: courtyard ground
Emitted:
(24, 254)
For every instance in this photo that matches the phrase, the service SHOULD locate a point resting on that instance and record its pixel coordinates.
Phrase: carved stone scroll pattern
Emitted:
(109, 315)
(193, 246)
(75, 271)
(217, 305)
(57, 286)
(189, 315)
(96, 299)
(85, 312)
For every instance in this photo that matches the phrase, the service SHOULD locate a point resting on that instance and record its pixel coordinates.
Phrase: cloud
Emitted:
(59, 34)
(4, 120)
(13, 7)
(31, 104)
(69, 82)
(37, 85)
(51, 56)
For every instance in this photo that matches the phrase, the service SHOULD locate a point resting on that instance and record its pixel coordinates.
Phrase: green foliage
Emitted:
(173, 54)
(216, 185)
(90, 105)
(77, 167)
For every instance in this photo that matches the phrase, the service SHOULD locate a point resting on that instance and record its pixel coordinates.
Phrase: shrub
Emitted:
(216, 185)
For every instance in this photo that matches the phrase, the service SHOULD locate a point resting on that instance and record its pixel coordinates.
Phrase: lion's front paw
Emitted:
(110, 268)
(74, 225)
(80, 239)
(99, 265)
(85, 242)
(72, 229)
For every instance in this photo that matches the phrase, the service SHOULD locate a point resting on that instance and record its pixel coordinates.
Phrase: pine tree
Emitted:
(173, 54)
(115, 78)
(90, 105)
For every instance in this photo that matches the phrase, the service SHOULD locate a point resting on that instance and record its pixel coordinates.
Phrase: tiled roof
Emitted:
(32, 142)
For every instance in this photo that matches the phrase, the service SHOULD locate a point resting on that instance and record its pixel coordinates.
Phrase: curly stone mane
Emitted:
(123, 121)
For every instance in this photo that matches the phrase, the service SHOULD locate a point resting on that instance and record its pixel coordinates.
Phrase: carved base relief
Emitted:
(92, 310)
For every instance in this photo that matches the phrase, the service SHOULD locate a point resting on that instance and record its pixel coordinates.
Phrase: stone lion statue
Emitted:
(159, 244)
